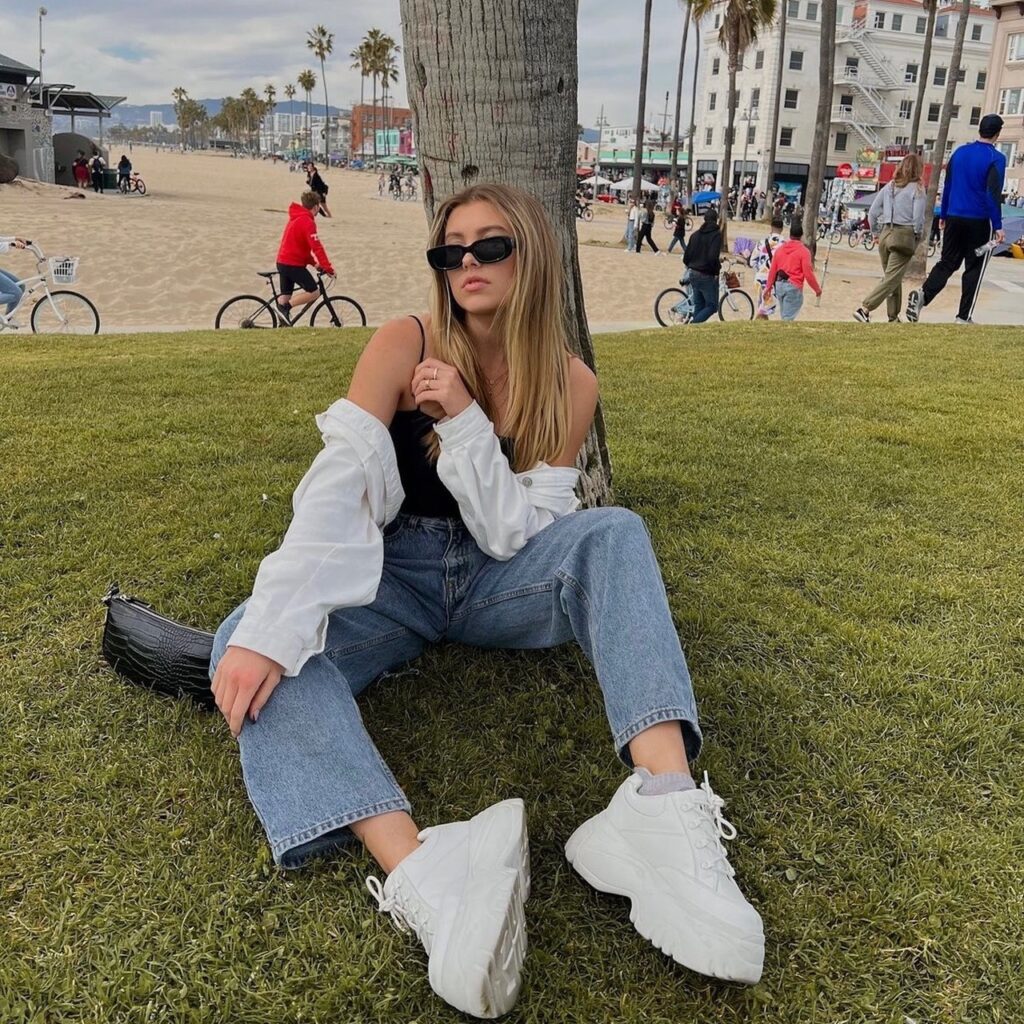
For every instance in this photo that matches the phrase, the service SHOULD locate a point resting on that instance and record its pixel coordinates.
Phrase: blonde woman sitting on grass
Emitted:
(443, 507)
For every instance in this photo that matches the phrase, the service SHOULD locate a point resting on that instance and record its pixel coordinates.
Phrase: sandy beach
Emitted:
(209, 222)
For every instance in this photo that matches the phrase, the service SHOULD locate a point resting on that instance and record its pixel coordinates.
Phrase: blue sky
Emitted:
(144, 49)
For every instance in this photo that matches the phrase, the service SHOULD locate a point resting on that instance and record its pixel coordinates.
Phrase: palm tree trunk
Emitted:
(679, 104)
(453, 90)
(638, 153)
(327, 115)
(819, 149)
(693, 113)
(374, 128)
(725, 178)
(918, 260)
(776, 106)
(922, 80)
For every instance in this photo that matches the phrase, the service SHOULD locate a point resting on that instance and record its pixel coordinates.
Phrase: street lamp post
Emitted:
(42, 14)
(749, 115)
(601, 123)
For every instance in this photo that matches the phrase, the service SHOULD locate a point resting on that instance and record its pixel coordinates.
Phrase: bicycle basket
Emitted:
(732, 279)
(63, 269)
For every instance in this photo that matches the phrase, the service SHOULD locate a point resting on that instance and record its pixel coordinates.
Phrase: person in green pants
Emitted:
(897, 220)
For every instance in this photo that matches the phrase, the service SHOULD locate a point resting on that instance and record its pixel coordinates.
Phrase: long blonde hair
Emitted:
(910, 170)
(530, 322)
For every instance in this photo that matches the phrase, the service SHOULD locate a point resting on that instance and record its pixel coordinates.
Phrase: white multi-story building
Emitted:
(1006, 87)
(283, 131)
(156, 119)
(879, 45)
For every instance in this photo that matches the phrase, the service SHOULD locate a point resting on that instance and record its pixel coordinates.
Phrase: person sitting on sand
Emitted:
(318, 185)
(300, 246)
(443, 507)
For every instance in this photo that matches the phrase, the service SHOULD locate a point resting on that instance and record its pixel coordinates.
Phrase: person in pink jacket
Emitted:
(791, 267)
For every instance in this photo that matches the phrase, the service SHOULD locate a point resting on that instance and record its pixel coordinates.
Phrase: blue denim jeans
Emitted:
(10, 291)
(311, 768)
(705, 295)
(790, 299)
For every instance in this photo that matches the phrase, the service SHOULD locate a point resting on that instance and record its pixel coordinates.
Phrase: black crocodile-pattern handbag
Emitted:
(151, 650)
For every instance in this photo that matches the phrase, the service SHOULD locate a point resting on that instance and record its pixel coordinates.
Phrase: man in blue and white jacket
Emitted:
(970, 216)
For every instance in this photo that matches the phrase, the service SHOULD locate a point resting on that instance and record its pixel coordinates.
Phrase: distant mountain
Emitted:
(138, 114)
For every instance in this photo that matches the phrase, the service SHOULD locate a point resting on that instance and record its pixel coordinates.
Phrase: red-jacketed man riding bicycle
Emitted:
(300, 247)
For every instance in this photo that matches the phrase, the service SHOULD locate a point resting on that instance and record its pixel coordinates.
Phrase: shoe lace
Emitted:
(721, 829)
(404, 917)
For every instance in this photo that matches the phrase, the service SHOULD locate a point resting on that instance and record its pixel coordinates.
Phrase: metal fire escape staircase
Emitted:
(868, 84)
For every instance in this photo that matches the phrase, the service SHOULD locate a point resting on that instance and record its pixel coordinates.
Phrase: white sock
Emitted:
(664, 782)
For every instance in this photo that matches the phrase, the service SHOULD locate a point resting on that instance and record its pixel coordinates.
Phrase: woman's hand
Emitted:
(242, 684)
(438, 389)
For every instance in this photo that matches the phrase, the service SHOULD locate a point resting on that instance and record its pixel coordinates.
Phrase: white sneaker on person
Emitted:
(462, 892)
(961, 320)
(914, 301)
(665, 853)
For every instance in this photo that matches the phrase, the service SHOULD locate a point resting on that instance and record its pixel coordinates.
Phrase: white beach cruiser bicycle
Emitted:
(58, 310)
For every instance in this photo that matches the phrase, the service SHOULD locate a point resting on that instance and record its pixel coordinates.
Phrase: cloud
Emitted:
(144, 50)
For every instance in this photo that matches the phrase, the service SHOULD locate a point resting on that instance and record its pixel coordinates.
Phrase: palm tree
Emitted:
(289, 95)
(932, 7)
(388, 73)
(823, 119)
(307, 83)
(180, 96)
(321, 42)
(638, 153)
(773, 133)
(532, 145)
(917, 263)
(253, 110)
(375, 42)
(692, 132)
(271, 96)
(741, 22)
(679, 103)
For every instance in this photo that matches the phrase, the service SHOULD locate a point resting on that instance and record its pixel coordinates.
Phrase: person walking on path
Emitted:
(632, 224)
(761, 261)
(791, 267)
(646, 222)
(678, 232)
(318, 185)
(97, 166)
(897, 220)
(703, 259)
(970, 216)
(443, 507)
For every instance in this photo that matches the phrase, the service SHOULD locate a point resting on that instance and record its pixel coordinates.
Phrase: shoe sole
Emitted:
(861, 319)
(913, 311)
(600, 858)
(479, 970)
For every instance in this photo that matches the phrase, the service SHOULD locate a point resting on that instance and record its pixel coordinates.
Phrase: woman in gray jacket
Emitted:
(898, 215)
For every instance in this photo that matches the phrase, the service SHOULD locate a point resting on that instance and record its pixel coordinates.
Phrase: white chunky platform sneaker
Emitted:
(462, 892)
(666, 854)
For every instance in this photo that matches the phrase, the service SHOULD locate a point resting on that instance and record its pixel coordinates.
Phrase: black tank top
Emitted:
(425, 494)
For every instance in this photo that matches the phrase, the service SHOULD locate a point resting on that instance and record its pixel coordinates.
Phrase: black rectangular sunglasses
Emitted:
(484, 250)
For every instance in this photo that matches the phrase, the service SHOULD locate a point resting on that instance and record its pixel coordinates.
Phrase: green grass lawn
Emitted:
(838, 514)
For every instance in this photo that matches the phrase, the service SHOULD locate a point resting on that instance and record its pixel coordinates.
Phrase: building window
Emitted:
(879, 19)
(961, 74)
(841, 139)
(975, 115)
(796, 60)
(716, 65)
(852, 66)
(902, 140)
(759, 60)
(755, 99)
(938, 79)
(920, 26)
(786, 137)
(934, 109)
(792, 96)
(812, 12)
(954, 111)
(718, 21)
(732, 136)
(976, 33)
(846, 101)
(942, 27)
(906, 110)
(1015, 47)
(712, 100)
(929, 145)
(793, 9)
(1009, 150)
(1011, 101)
(897, 23)
(982, 79)
(709, 135)
(911, 73)
(950, 143)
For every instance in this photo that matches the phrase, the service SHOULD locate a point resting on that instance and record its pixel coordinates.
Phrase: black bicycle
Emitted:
(250, 312)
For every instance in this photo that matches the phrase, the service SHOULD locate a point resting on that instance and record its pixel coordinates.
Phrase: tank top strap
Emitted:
(423, 336)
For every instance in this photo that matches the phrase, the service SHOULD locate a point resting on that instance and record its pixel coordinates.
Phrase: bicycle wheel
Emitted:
(588, 214)
(64, 312)
(665, 311)
(931, 248)
(869, 241)
(140, 186)
(835, 236)
(338, 311)
(123, 187)
(854, 239)
(246, 312)
(736, 304)
(689, 223)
